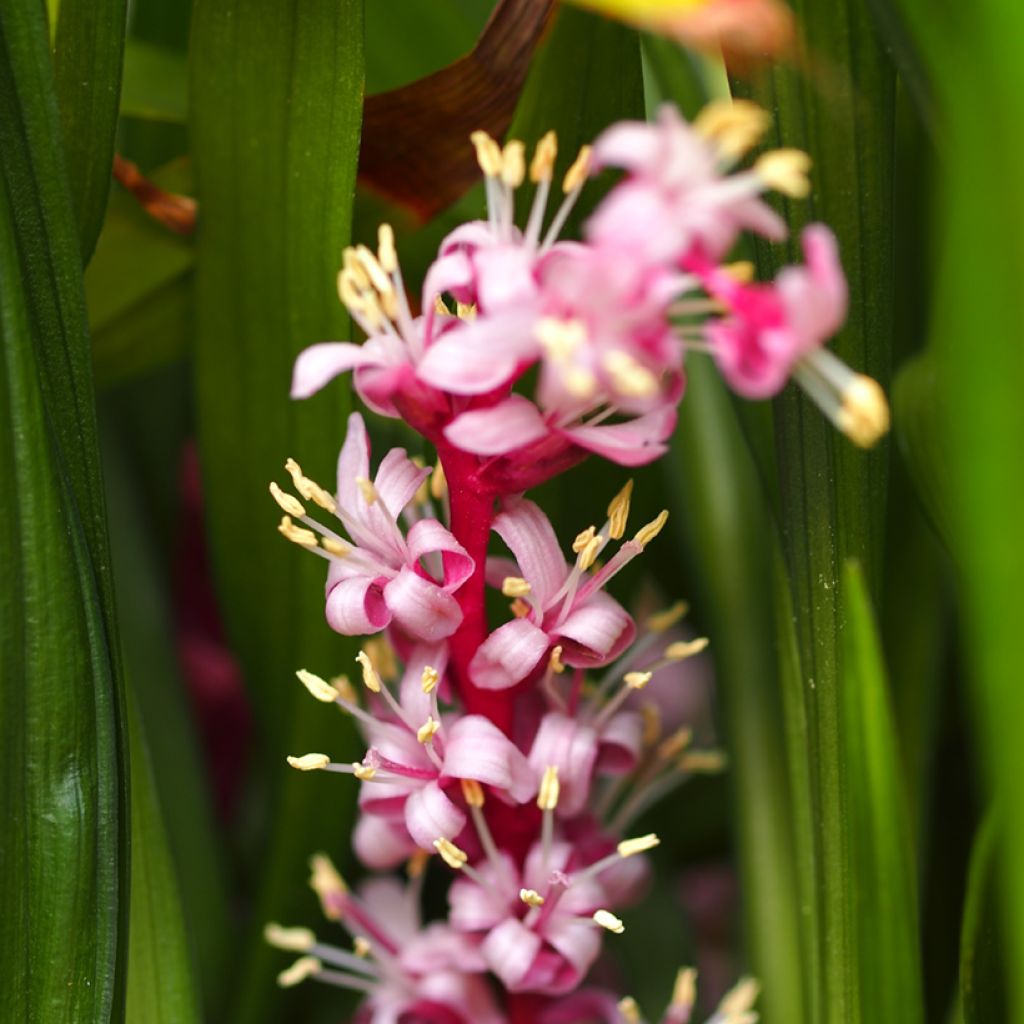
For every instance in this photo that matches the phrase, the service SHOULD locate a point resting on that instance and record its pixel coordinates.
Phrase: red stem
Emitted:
(472, 512)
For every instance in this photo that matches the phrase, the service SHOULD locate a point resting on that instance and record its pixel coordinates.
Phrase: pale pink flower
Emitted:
(383, 576)
(561, 603)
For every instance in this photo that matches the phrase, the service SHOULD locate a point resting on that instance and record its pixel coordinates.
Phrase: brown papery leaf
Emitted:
(175, 212)
(415, 149)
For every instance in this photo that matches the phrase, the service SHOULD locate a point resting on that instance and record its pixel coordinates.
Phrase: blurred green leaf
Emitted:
(88, 54)
(879, 871)
(982, 966)
(155, 86)
(276, 93)
(63, 860)
(160, 986)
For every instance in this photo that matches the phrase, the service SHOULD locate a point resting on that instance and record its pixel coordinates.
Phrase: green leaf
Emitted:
(87, 57)
(63, 798)
(160, 986)
(155, 86)
(879, 868)
(276, 92)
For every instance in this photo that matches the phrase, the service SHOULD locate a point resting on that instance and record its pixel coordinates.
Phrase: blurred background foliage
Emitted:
(862, 855)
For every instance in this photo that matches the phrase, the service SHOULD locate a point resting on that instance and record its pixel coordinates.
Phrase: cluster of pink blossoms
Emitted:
(517, 753)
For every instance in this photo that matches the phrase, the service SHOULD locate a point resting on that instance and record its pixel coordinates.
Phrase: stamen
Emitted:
(346, 691)
(520, 609)
(740, 998)
(382, 655)
(663, 620)
(607, 920)
(543, 163)
(572, 184)
(531, 897)
(630, 378)
(296, 534)
(735, 126)
(641, 844)
(335, 547)
(488, 153)
(473, 792)
(651, 714)
(438, 483)
(583, 539)
(555, 663)
(288, 503)
(675, 743)
(310, 489)
(704, 762)
(303, 968)
(416, 865)
(386, 252)
(440, 307)
(785, 170)
(366, 488)
(684, 995)
(637, 680)
(425, 733)
(630, 1011)
(560, 338)
(515, 586)
(361, 946)
(465, 311)
(577, 173)
(589, 554)
(618, 512)
(647, 533)
(317, 687)
(309, 762)
(371, 680)
(451, 854)
(683, 649)
(547, 795)
(292, 940)
(513, 164)
(429, 679)
(741, 271)
(864, 413)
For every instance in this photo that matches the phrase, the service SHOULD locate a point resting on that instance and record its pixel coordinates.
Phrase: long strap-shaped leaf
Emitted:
(63, 855)
(276, 93)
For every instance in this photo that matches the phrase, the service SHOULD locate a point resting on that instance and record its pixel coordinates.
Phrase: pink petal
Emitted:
(571, 746)
(473, 235)
(621, 743)
(353, 462)
(319, 364)
(394, 905)
(504, 277)
(415, 703)
(398, 478)
(579, 944)
(430, 815)
(531, 538)
(475, 748)
(508, 655)
(587, 1004)
(422, 608)
(501, 428)
(631, 145)
(598, 631)
(634, 443)
(380, 844)
(356, 606)
(439, 947)
(473, 907)
(510, 949)
(427, 537)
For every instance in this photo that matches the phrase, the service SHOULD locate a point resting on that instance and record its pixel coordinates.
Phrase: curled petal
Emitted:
(530, 537)
(571, 746)
(428, 537)
(398, 478)
(320, 364)
(430, 815)
(621, 743)
(598, 631)
(421, 607)
(634, 443)
(356, 606)
(578, 944)
(475, 748)
(510, 950)
(508, 655)
(499, 429)
(381, 844)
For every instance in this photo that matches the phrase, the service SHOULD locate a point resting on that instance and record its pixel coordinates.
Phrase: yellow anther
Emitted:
(667, 618)
(531, 897)
(735, 126)
(583, 539)
(429, 679)
(322, 690)
(472, 792)
(309, 762)
(864, 414)
(438, 483)
(577, 173)
(607, 920)
(290, 504)
(543, 163)
(704, 762)
(580, 382)
(588, 555)
(652, 724)
(683, 649)
(378, 278)
(555, 663)
(348, 291)
(547, 795)
(294, 940)
(363, 772)
(513, 164)
(684, 992)
(629, 1010)
(327, 884)
(740, 998)
(335, 547)
(641, 844)
(560, 338)
(515, 586)
(296, 534)
(426, 732)
(741, 270)
(630, 378)
(451, 854)
(441, 307)
(465, 310)
(354, 267)
(520, 609)
(382, 654)
(386, 253)
(785, 170)
(310, 489)
(370, 678)
(303, 968)
(417, 864)
(361, 946)
(675, 743)
(346, 691)
(647, 533)
(366, 488)
(637, 680)
(618, 511)
(488, 153)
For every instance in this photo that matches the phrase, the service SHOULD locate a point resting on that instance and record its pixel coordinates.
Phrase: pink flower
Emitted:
(383, 576)
(676, 197)
(558, 602)
(770, 328)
